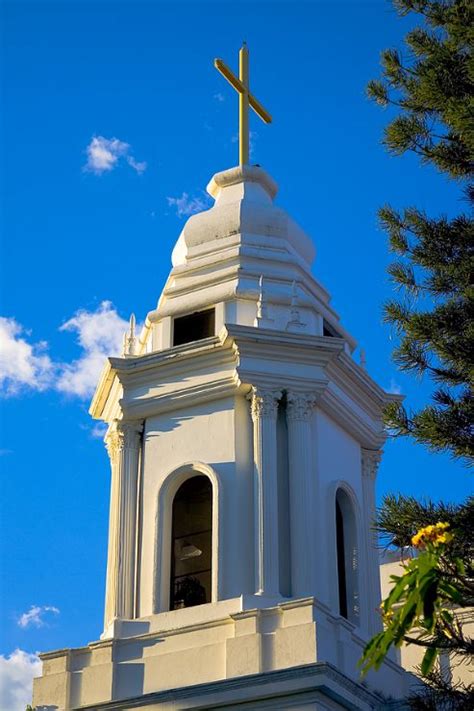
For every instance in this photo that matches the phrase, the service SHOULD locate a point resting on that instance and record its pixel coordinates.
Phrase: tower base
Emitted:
(296, 654)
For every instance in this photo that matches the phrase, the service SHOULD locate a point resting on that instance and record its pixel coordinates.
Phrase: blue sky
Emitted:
(82, 248)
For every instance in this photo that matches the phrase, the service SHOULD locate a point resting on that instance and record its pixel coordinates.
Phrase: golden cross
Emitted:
(246, 99)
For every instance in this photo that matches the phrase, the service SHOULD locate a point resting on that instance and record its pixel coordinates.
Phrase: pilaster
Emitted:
(123, 445)
(370, 461)
(264, 408)
(299, 414)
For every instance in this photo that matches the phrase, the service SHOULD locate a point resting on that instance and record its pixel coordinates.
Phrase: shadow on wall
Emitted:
(171, 424)
(168, 423)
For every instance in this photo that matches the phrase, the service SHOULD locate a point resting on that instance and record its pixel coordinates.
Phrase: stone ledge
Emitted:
(298, 683)
(241, 174)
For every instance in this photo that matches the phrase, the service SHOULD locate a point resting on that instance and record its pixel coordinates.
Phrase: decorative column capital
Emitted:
(370, 462)
(129, 433)
(264, 403)
(112, 444)
(124, 435)
(300, 406)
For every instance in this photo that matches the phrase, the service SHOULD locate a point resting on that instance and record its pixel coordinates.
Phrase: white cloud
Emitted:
(16, 679)
(22, 364)
(100, 334)
(219, 97)
(139, 166)
(253, 136)
(35, 616)
(99, 430)
(25, 365)
(394, 388)
(103, 154)
(186, 205)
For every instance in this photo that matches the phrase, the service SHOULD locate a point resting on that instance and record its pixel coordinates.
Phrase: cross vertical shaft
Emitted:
(246, 100)
(244, 106)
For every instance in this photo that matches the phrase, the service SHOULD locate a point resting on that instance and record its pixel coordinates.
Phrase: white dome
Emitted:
(243, 206)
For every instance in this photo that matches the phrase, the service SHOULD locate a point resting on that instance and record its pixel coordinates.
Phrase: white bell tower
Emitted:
(244, 442)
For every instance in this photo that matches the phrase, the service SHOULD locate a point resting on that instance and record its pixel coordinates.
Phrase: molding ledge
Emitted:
(238, 358)
(308, 682)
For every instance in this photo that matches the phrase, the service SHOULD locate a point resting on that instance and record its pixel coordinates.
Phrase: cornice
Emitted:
(102, 390)
(264, 686)
(314, 349)
(141, 368)
(337, 409)
(64, 652)
(359, 375)
(221, 350)
(159, 358)
(234, 356)
(275, 345)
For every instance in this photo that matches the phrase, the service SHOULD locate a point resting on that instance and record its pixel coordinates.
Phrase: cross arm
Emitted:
(228, 74)
(259, 110)
(238, 86)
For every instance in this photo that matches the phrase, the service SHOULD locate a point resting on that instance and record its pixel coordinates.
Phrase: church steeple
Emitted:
(244, 441)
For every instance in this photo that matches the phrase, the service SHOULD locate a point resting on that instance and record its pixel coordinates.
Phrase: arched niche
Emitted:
(347, 556)
(191, 544)
(172, 536)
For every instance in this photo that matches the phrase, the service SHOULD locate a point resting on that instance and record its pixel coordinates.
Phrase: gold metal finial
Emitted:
(246, 99)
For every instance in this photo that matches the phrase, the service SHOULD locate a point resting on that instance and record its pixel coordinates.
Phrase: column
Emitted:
(302, 474)
(123, 446)
(370, 460)
(264, 407)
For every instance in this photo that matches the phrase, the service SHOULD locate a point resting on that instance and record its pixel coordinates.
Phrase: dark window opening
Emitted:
(193, 327)
(341, 562)
(191, 544)
(328, 330)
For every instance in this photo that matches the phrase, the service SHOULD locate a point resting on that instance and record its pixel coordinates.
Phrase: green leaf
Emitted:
(428, 660)
(451, 592)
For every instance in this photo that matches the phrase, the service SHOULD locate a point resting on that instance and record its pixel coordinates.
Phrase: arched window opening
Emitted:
(347, 557)
(191, 544)
(341, 565)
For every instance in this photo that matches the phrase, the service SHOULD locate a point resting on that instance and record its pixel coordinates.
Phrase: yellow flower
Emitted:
(387, 615)
(435, 533)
